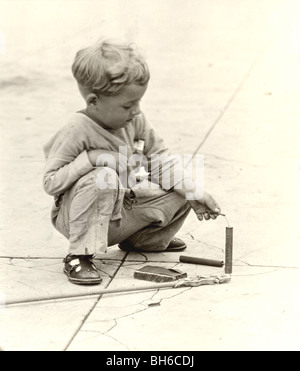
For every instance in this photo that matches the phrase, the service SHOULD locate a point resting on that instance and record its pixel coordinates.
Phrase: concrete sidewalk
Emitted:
(225, 83)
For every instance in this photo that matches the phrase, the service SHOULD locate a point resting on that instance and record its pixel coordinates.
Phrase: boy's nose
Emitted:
(136, 109)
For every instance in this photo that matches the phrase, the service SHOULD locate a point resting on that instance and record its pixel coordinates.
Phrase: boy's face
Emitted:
(115, 112)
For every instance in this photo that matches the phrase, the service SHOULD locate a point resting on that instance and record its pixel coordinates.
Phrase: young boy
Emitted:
(97, 204)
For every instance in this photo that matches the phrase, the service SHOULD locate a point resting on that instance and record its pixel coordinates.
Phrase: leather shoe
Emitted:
(175, 245)
(81, 270)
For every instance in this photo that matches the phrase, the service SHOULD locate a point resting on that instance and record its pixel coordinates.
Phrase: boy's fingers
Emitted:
(206, 216)
(210, 211)
(200, 217)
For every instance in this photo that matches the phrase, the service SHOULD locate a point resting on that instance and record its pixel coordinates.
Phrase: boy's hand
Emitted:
(206, 207)
(111, 159)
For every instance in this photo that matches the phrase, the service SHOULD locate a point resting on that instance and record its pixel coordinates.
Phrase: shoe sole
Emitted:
(78, 281)
(128, 249)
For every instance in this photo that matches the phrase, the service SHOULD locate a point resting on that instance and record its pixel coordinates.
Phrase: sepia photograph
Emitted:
(150, 178)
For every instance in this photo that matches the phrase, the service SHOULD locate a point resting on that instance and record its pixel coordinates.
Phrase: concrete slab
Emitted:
(23, 278)
(242, 315)
(43, 326)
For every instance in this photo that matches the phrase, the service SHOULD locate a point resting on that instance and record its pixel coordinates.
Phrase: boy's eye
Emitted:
(131, 105)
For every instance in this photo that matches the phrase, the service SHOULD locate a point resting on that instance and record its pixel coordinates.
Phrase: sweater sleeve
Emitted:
(66, 162)
(166, 169)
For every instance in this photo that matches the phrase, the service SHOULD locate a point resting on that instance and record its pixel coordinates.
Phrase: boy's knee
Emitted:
(101, 178)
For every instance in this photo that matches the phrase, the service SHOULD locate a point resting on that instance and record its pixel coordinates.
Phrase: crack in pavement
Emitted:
(37, 268)
(12, 262)
(207, 244)
(146, 307)
(266, 265)
(118, 341)
(94, 305)
(96, 335)
(254, 274)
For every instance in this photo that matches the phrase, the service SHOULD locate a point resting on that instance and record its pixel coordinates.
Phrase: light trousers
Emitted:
(93, 218)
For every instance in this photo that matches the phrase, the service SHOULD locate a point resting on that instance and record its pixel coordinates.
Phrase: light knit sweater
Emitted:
(66, 152)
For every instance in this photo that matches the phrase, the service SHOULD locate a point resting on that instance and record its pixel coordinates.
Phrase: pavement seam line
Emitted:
(235, 93)
(93, 306)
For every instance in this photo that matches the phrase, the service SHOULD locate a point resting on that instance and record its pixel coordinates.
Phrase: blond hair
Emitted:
(106, 67)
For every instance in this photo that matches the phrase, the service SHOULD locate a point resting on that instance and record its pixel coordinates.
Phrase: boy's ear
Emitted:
(91, 99)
